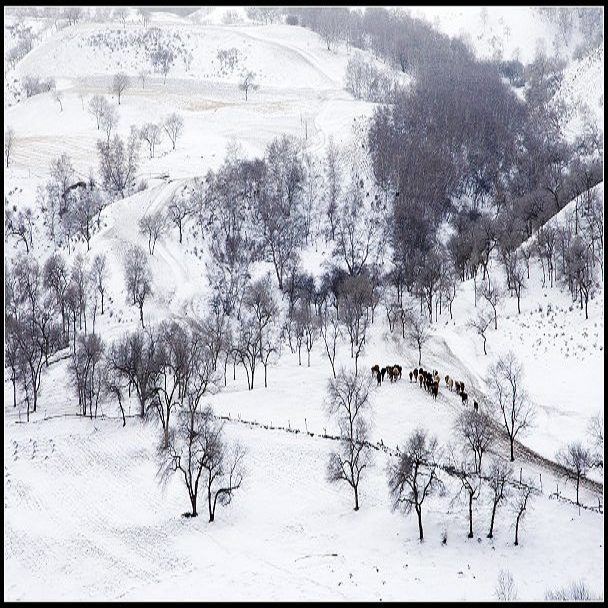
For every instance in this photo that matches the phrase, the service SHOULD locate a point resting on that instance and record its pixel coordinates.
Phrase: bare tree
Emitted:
(179, 208)
(198, 447)
(516, 276)
(152, 134)
(20, 224)
(98, 106)
(58, 97)
(595, 428)
(87, 370)
(480, 324)
(28, 330)
(173, 126)
(311, 331)
(545, 244)
(493, 295)
(354, 232)
(522, 496)
(261, 313)
(137, 277)
(248, 84)
(331, 331)
(162, 60)
(246, 348)
(577, 461)
(355, 299)
(134, 358)
(348, 399)
(153, 226)
(55, 279)
(464, 468)
(99, 275)
(186, 454)
(279, 216)
(108, 120)
(175, 350)
(9, 143)
(85, 204)
(413, 477)
(511, 402)
(143, 76)
(118, 164)
(498, 478)
(580, 270)
(223, 465)
(417, 331)
(475, 431)
(120, 83)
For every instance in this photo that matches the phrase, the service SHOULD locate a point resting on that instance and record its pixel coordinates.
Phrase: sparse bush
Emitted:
(575, 591)
(506, 591)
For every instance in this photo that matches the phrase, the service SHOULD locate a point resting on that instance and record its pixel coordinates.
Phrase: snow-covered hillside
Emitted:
(86, 514)
(514, 32)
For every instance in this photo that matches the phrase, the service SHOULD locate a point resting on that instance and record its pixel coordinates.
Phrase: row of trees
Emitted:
(416, 474)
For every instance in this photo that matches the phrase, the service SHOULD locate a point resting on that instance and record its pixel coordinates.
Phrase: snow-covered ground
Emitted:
(85, 515)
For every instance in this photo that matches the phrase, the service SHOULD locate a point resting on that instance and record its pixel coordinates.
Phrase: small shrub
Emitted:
(575, 591)
(505, 591)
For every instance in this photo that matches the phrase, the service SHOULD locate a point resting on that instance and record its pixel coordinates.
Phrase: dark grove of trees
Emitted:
(461, 133)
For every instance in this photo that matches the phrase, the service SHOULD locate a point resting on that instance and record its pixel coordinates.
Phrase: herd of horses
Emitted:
(427, 380)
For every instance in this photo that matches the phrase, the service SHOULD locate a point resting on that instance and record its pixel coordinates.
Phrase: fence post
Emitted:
(520, 471)
(541, 481)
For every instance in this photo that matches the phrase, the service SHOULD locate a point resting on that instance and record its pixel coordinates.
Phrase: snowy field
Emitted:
(86, 517)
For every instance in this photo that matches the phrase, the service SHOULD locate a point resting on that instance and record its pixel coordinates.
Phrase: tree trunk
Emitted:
(470, 515)
(193, 503)
(491, 532)
(356, 498)
(517, 529)
(586, 312)
(420, 530)
(511, 441)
